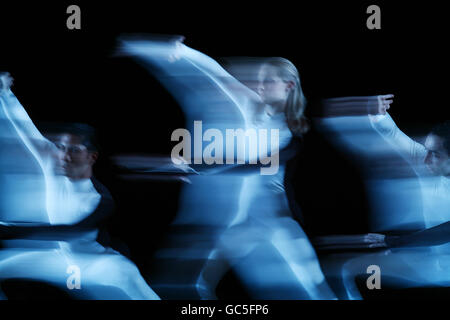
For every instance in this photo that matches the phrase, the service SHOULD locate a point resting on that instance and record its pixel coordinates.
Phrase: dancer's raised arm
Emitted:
(385, 125)
(191, 72)
(14, 112)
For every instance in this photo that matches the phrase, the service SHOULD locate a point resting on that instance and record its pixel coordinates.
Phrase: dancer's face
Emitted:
(271, 87)
(437, 159)
(73, 159)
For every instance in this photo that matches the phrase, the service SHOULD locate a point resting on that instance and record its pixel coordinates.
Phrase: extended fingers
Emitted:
(385, 101)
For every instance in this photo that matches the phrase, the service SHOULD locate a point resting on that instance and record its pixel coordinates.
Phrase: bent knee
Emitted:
(112, 270)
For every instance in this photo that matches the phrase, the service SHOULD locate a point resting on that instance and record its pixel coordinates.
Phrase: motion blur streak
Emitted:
(43, 216)
(405, 195)
(230, 215)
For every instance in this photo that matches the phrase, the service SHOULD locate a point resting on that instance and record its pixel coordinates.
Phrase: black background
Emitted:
(73, 75)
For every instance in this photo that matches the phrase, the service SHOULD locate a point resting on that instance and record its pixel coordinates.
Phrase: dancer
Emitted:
(268, 250)
(58, 234)
(426, 261)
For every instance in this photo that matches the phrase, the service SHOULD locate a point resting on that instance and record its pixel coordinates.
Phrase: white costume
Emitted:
(419, 266)
(435, 189)
(255, 234)
(41, 197)
(266, 247)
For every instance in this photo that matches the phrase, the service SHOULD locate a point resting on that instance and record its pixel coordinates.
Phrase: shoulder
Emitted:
(100, 188)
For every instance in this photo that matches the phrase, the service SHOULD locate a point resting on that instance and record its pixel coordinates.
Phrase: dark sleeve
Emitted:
(434, 236)
(292, 154)
(94, 221)
(103, 211)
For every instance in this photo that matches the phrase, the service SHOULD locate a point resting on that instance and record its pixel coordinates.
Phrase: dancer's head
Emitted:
(279, 85)
(438, 149)
(77, 150)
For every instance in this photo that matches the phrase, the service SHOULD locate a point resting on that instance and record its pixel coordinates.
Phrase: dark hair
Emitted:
(296, 103)
(85, 132)
(442, 130)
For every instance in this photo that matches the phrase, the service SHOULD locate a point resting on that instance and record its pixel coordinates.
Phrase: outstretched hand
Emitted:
(384, 103)
(375, 240)
(6, 81)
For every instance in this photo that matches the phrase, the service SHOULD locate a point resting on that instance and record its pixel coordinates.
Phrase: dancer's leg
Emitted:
(284, 268)
(410, 268)
(116, 271)
(46, 266)
(213, 271)
(296, 250)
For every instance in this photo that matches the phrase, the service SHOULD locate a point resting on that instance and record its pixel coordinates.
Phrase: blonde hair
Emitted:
(296, 101)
